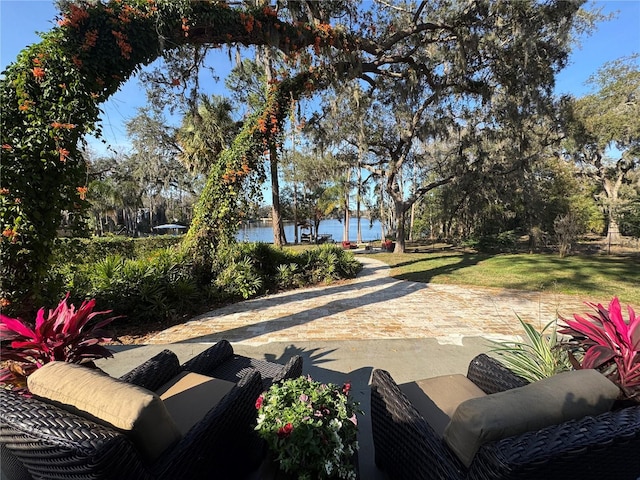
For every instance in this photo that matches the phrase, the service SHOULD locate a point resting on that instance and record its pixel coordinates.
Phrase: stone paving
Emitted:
(375, 306)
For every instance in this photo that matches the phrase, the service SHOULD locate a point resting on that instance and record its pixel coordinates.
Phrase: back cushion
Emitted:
(437, 398)
(93, 394)
(562, 397)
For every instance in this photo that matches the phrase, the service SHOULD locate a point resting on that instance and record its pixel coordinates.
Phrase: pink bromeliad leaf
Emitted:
(597, 356)
(593, 332)
(16, 326)
(634, 329)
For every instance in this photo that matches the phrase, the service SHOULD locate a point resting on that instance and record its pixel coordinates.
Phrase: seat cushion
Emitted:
(437, 398)
(562, 397)
(190, 396)
(93, 394)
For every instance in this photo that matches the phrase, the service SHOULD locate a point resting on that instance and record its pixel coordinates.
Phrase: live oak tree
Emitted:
(437, 51)
(437, 66)
(604, 137)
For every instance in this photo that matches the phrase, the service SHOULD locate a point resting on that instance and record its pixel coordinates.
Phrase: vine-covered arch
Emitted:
(51, 98)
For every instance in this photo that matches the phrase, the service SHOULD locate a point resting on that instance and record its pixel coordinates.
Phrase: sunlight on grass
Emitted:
(593, 277)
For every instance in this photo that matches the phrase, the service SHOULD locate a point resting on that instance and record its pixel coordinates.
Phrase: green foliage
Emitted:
(88, 250)
(310, 427)
(500, 242)
(148, 284)
(328, 263)
(50, 99)
(539, 356)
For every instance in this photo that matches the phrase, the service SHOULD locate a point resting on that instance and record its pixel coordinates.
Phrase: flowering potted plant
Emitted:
(64, 334)
(310, 428)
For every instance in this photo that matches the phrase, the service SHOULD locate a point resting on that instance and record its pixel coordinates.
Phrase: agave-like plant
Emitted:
(609, 343)
(539, 356)
(63, 335)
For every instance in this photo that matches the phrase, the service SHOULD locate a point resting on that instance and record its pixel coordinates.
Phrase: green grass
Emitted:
(593, 277)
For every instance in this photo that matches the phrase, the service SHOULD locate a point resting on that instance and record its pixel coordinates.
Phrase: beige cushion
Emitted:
(95, 395)
(189, 396)
(566, 396)
(437, 398)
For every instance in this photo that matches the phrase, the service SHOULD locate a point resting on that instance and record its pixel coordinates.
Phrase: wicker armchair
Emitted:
(41, 441)
(406, 447)
(223, 363)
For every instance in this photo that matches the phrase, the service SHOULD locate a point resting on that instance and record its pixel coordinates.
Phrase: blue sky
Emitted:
(21, 19)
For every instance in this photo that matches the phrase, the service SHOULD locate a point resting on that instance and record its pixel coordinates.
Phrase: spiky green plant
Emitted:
(539, 355)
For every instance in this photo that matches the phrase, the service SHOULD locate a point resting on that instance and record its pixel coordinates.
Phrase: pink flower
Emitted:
(259, 402)
(346, 388)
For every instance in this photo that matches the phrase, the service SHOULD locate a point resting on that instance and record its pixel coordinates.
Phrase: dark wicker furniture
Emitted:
(225, 364)
(406, 447)
(41, 441)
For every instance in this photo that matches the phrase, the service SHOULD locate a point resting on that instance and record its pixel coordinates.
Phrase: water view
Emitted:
(263, 232)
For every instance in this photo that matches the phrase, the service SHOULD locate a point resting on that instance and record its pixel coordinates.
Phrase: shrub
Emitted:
(541, 354)
(63, 335)
(608, 343)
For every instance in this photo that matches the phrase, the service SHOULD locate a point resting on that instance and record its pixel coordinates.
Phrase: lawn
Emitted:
(590, 276)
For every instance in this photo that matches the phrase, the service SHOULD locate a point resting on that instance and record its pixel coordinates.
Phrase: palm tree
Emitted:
(205, 132)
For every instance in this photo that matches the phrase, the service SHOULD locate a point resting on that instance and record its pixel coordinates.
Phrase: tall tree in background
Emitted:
(606, 123)
(447, 65)
(205, 132)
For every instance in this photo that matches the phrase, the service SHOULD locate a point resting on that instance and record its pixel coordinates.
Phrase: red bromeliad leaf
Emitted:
(15, 325)
(597, 356)
(615, 317)
(585, 327)
(634, 329)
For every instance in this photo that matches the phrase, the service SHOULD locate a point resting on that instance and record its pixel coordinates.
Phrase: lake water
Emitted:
(263, 231)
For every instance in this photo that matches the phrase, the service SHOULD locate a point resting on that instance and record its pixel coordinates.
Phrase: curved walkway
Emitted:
(375, 306)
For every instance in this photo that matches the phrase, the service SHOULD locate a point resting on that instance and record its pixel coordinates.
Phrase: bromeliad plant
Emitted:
(608, 343)
(540, 355)
(63, 335)
(310, 427)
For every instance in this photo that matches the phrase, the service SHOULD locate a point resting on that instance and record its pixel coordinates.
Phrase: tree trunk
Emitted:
(276, 218)
(400, 211)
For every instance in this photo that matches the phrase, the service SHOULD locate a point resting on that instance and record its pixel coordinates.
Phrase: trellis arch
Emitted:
(51, 96)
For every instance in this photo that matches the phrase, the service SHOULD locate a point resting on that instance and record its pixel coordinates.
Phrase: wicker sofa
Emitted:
(407, 447)
(39, 440)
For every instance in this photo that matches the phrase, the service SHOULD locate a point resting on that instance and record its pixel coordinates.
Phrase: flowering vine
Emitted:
(51, 96)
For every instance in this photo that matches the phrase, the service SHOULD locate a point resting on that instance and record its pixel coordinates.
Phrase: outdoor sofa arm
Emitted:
(491, 376)
(605, 446)
(155, 372)
(206, 362)
(223, 444)
(292, 369)
(53, 443)
(405, 444)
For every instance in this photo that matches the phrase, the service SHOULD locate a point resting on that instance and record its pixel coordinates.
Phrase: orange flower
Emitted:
(90, 39)
(82, 191)
(4, 302)
(6, 146)
(64, 153)
(121, 40)
(67, 126)
(9, 233)
(38, 72)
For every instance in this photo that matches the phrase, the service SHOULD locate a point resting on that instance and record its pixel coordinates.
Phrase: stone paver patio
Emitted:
(375, 306)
